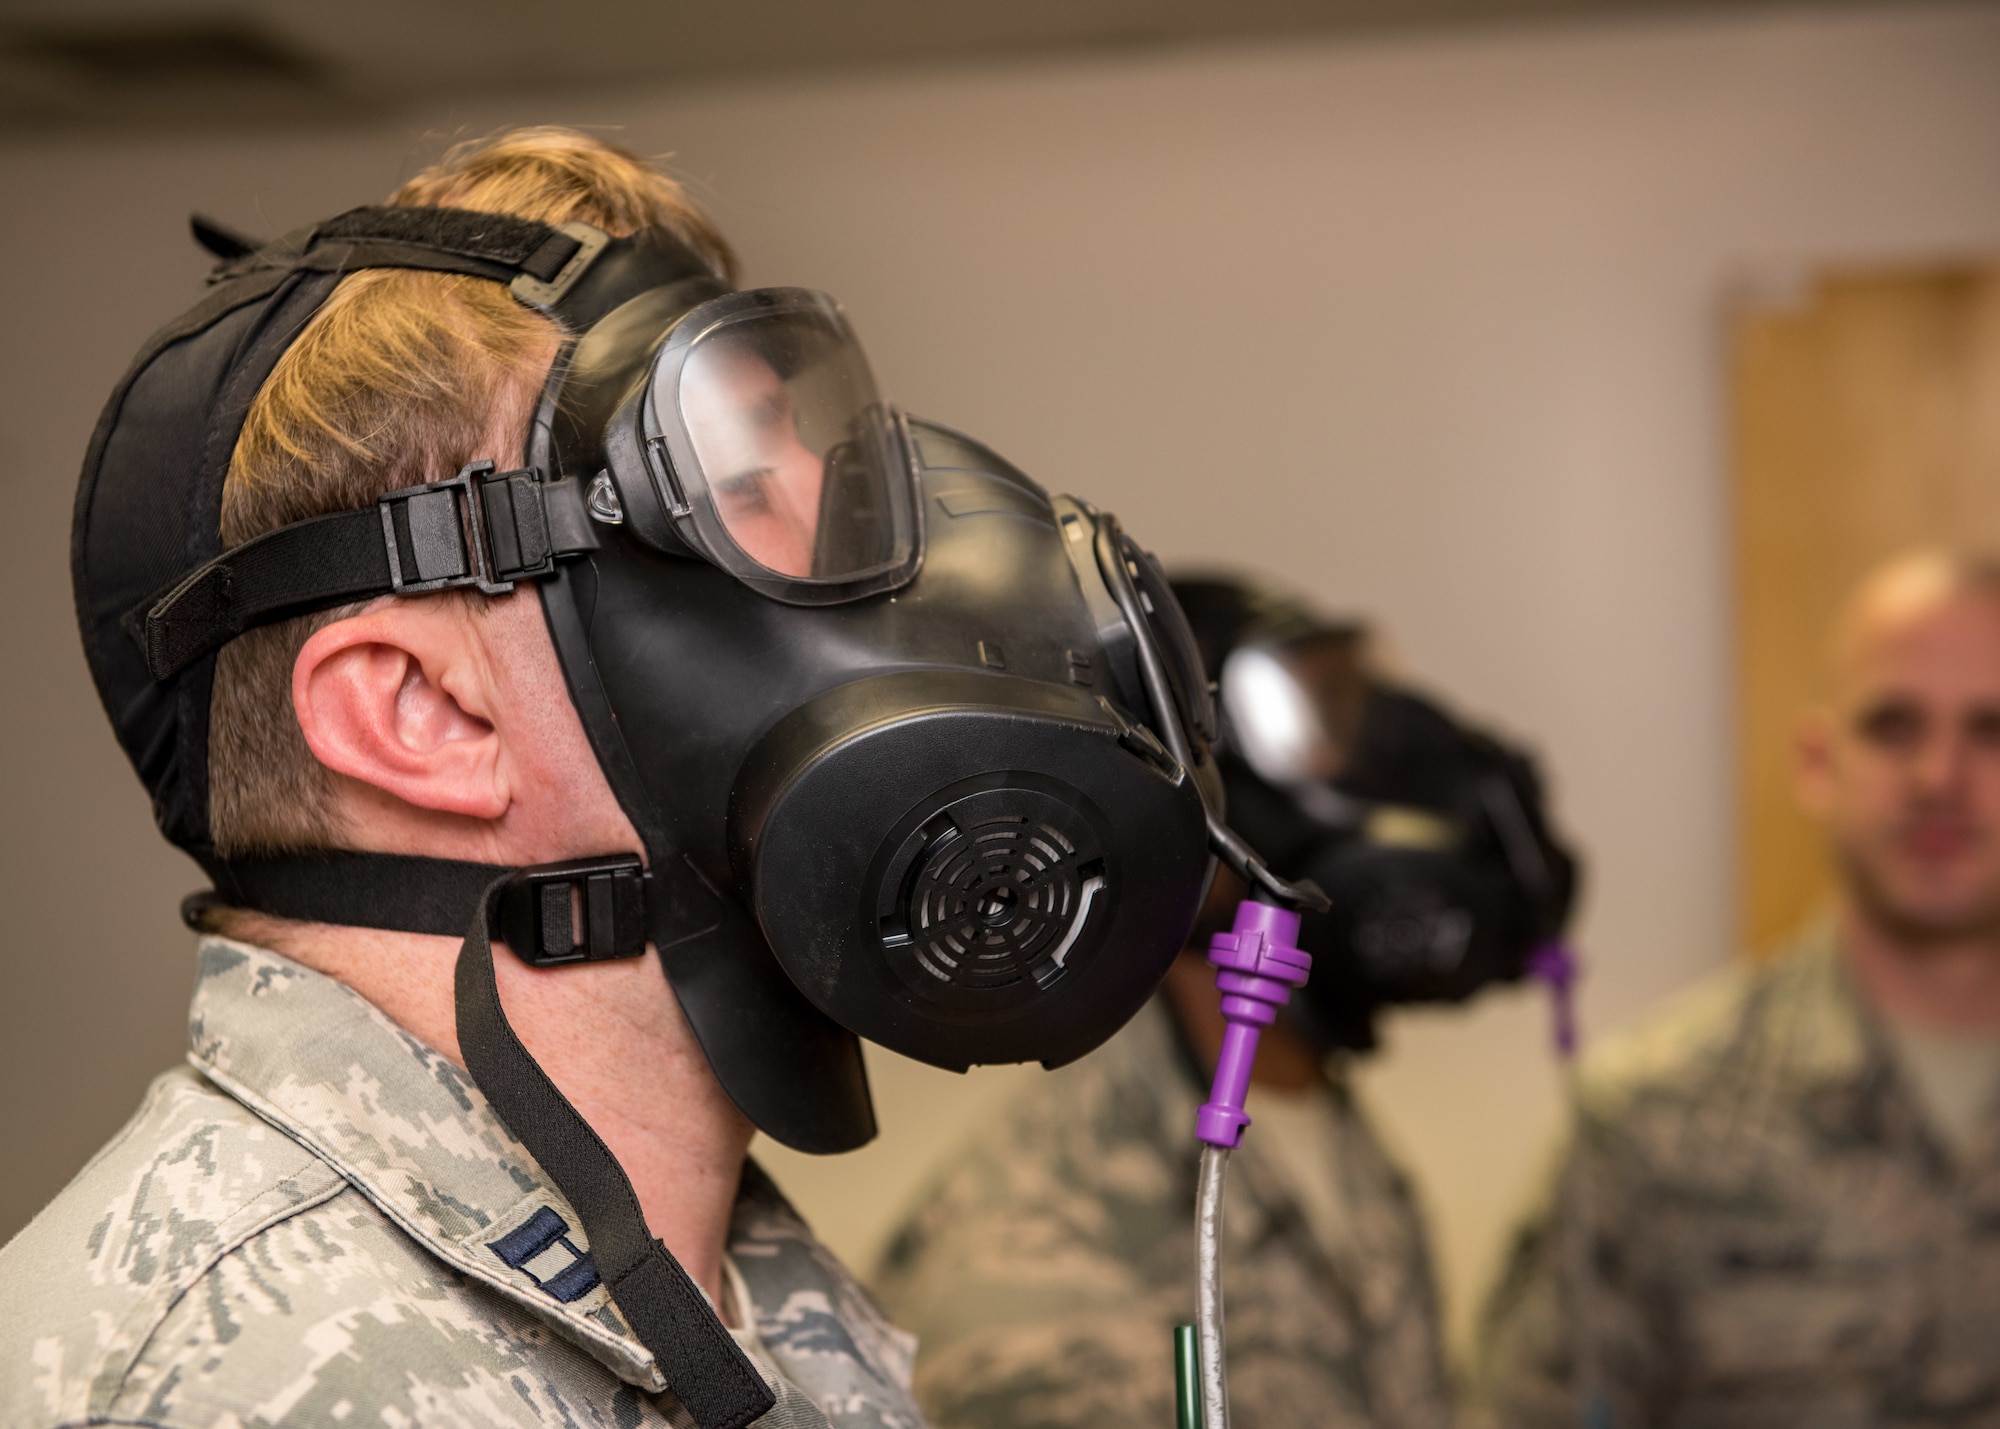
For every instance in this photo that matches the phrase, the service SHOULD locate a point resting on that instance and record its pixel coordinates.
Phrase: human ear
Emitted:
(396, 698)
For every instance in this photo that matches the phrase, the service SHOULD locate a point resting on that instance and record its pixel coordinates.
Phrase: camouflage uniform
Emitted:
(1047, 1267)
(1771, 1233)
(323, 1223)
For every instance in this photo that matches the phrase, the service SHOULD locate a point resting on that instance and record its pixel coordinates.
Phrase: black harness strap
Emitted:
(599, 913)
(513, 526)
(539, 264)
(704, 1366)
(399, 892)
(295, 569)
(486, 245)
(520, 243)
(477, 529)
(584, 910)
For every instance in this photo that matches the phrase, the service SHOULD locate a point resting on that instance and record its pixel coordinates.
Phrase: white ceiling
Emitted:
(128, 63)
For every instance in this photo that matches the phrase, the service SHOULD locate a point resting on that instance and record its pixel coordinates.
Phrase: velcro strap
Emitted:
(540, 263)
(701, 1362)
(521, 243)
(489, 244)
(290, 571)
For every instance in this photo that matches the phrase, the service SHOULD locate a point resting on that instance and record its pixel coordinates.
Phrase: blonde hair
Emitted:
(397, 380)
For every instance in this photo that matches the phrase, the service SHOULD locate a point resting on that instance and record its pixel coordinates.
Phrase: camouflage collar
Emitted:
(1835, 1050)
(409, 1130)
(1828, 1036)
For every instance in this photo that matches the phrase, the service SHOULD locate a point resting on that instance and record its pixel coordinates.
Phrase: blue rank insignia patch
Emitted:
(540, 1247)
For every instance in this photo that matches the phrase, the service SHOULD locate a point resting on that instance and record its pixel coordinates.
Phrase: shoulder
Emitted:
(1058, 1218)
(207, 1269)
(191, 1177)
(1118, 1122)
(1726, 1057)
(824, 1333)
(1114, 1129)
(1693, 1031)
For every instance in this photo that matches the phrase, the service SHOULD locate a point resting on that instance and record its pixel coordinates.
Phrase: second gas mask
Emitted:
(1429, 837)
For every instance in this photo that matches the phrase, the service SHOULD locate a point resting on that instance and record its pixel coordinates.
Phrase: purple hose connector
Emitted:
(1554, 965)
(1256, 967)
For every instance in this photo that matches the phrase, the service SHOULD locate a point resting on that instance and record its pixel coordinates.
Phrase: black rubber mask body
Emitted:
(951, 837)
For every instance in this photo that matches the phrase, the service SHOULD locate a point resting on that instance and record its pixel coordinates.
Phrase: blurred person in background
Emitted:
(1046, 1266)
(1779, 1202)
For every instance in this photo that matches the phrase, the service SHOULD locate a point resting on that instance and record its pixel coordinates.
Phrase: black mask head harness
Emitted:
(915, 751)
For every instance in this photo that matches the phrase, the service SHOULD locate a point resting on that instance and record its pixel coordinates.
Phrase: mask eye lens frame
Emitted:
(722, 386)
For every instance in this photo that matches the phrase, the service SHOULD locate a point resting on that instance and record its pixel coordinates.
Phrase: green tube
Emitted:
(1187, 1379)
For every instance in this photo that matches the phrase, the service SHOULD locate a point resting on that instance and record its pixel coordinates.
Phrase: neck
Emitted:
(1946, 985)
(611, 1037)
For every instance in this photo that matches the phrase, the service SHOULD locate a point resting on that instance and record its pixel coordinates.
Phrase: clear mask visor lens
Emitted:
(1275, 720)
(795, 446)
(1296, 711)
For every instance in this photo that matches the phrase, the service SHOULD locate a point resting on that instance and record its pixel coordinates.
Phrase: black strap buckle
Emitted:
(587, 910)
(474, 529)
(535, 293)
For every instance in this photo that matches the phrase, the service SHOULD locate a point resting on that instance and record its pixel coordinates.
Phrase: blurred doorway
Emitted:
(1866, 420)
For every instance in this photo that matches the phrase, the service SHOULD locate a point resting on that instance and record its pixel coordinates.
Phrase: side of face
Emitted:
(449, 722)
(1902, 767)
(766, 482)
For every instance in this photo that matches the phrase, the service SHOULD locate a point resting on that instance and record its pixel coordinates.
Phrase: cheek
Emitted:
(554, 769)
(1865, 784)
(1985, 781)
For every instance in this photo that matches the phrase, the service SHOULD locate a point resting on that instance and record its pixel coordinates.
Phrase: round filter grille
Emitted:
(994, 893)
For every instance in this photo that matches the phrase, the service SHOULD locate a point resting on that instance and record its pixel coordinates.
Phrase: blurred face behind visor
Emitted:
(744, 427)
(771, 452)
(1296, 708)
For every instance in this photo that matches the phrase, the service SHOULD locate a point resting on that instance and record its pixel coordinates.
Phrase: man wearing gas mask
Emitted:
(505, 612)
(1779, 1203)
(1046, 1266)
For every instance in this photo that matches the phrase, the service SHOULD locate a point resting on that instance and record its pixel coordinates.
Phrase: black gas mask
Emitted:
(872, 683)
(873, 699)
(916, 751)
(1429, 837)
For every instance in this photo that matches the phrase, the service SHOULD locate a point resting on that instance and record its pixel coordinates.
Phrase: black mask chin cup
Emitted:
(796, 1074)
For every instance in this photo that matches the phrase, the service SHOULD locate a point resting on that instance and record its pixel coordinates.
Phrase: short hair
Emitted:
(394, 382)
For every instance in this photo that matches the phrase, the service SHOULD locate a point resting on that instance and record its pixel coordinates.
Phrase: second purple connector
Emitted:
(1257, 965)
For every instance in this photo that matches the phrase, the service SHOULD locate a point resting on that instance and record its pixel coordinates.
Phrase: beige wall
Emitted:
(1430, 326)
